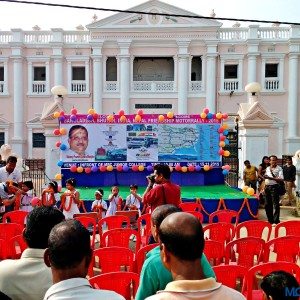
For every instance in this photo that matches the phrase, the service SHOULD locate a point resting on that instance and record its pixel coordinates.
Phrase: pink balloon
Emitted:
(73, 169)
(178, 167)
(35, 201)
(206, 110)
(225, 116)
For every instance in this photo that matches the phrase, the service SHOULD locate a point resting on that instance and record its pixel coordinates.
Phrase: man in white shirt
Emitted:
(69, 254)
(9, 171)
(28, 277)
(182, 243)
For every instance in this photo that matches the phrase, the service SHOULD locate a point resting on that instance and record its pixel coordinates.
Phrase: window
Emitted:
(196, 74)
(1, 73)
(78, 73)
(2, 138)
(39, 74)
(38, 140)
(231, 71)
(271, 70)
(111, 69)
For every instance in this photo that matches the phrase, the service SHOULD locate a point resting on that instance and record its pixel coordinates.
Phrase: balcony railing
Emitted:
(111, 86)
(273, 33)
(5, 37)
(271, 84)
(1, 87)
(196, 86)
(38, 37)
(231, 85)
(233, 34)
(76, 37)
(153, 86)
(78, 87)
(39, 87)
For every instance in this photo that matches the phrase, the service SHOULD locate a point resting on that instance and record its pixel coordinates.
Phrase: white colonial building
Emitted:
(157, 63)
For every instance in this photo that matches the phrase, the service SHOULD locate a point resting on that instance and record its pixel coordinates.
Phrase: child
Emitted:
(133, 201)
(23, 199)
(70, 199)
(99, 205)
(50, 195)
(115, 202)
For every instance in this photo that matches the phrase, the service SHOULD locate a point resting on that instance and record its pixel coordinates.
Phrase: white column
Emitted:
(97, 83)
(58, 79)
(263, 73)
(293, 96)
(175, 72)
(251, 68)
(240, 75)
(203, 61)
(222, 72)
(47, 78)
(6, 139)
(87, 76)
(5, 91)
(183, 77)
(29, 142)
(211, 82)
(124, 82)
(69, 72)
(30, 77)
(280, 73)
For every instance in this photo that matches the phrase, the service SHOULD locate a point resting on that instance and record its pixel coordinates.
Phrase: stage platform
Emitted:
(212, 198)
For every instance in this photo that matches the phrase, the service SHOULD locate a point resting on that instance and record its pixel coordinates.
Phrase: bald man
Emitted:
(182, 243)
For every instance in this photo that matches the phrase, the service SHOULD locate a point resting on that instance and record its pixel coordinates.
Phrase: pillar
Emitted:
(211, 82)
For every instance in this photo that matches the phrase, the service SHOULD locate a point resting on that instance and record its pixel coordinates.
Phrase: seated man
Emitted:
(182, 243)
(69, 254)
(154, 276)
(28, 277)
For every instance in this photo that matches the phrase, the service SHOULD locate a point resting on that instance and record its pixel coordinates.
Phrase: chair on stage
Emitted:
(254, 228)
(225, 215)
(221, 232)
(141, 256)
(15, 216)
(291, 227)
(123, 283)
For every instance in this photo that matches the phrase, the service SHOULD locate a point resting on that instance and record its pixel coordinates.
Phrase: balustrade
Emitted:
(195, 86)
(231, 84)
(111, 86)
(38, 37)
(271, 84)
(153, 86)
(78, 87)
(1, 87)
(39, 87)
(5, 37)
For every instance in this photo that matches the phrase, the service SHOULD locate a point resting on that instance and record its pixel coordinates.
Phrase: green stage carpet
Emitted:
(189, 192)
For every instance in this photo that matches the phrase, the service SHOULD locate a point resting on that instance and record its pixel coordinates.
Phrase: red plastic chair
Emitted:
(221, 232)
(16, 216)
(112, 259)
(230, 275)
(214, 252)
(286, 248)
(4, 249)
(291, 227)
(120, 237)
(17, 246)
(90, 224)
(245, 252)
(144, 228)
(254, 228)
(123, 283)
(113, 222)
(7, 232)
(141, 256)
(197, 214)
(225, 215)
(262, 270)
(190, 206)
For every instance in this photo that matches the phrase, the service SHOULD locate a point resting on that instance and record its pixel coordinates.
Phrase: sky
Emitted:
(24, 16)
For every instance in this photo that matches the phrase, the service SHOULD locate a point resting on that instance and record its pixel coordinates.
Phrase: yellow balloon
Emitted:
(110, 118)
(250, 191)
(79, 169)
(170, 115)
(109, 168)
(225, 126)
(138, 118)
(91, 111)
(123, 119)
(226, 153)
(56, 114)
(219, 115)
(206, 168)
(222, 144)
(203, 115)
(184, 169)
(161, 118)
(245, 188)
(63, 131)
(58, 176)
(141, 168)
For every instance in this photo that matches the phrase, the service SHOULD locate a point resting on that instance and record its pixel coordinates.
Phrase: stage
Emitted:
(211, 197)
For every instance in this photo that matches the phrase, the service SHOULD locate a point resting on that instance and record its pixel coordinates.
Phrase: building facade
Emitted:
(150, 62)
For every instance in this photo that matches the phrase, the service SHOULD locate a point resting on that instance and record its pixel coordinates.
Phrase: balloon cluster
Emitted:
(92, 115)
(191, 168)
(110, 168)
(223, 141)
(248, 190)
(226, 169)
(208, 115)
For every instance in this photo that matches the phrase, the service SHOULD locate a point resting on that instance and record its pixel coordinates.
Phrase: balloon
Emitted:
(209, 116)
(184, 169)
(225, 116)
(57, 144)
(56, 114)
(63, 131)
(140, 112)
(109, 168)
(60, 163)
(225, 126)
(141, 168)
(119, 168)
(225, 132)
(220, 130)
(203, 115)
(206, 168)
(35, 201)
(191, 168)
(198, 168)
(245, 188)
(91, 111)
(73, 168)
(222, 137)
(62, 113)
(110, 118)
(102, 168)
(161, 118)
(219, 116)
(170, 115)
(73, 111)
(221, 152)
(149, 168)
(226, 153)
(95, 116)
(214, 116)
(73, 118)
(57, 176)
(90, 117)
(125, 168)
(206, 110)
(222, 144)
(79, 169)
(227, 142)
(61, 118)
(178, 167)
(227, 167)
(135, 168)
(121, 113)
(250, 191)
(94, 169)
(88, 170)
(56, 131)
(225, 172)
(137, 118)
(63, 147)
(59, 188)
(123, 119)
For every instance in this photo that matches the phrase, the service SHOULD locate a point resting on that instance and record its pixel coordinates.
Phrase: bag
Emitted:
(281, 188)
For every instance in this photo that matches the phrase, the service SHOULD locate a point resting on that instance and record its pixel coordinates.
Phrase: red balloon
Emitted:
(119, 168)
(140, 112)
(121, 113)
(178, 167)
(222, 137)
(62, 113)
(220, 130)
(102, 168)
(221, 151)
(56, 131)
(206, 110)
(95, 116)
(191, 168)
(57, 144)
(88, 170)
(135, 168)
(73, 111)
(73, 169)
(35, 201)
(225, 116)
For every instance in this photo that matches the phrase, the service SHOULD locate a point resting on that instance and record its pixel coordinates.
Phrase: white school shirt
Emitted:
(73, 210)
(25, 204)
(100, 202)
(131, 200)
(113, 204)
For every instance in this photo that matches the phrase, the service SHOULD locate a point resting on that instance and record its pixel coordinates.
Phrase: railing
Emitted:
(78, 87)
(38, 87)
(231, 84)
(38, 37)
(271, 84)
(233, 34)
(76, 37)
(5, 37)
(153, 86)
(111, 86)
(1, 87)
(273, 33)
(195, 86)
